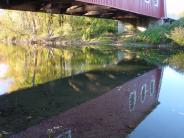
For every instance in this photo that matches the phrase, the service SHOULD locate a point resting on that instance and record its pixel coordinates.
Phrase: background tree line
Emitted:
(29, 25)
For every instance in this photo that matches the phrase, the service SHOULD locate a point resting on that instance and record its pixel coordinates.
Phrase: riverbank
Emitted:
(172, 34)
(64, 31)
(51, 29)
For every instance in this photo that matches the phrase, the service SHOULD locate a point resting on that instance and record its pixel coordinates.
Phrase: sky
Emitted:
(175, 8)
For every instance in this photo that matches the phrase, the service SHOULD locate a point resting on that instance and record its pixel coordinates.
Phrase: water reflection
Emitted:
(4, 85)
(3, 70)
(26, 107)
(177, 62)
(5, 82)
(113, 114)
(167, 120)
(87, 93)
(28, 66)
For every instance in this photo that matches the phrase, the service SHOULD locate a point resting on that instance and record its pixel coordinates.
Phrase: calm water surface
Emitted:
(167, 120)
(89, 92)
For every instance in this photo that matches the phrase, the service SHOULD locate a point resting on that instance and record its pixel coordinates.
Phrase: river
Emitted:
(90, 92)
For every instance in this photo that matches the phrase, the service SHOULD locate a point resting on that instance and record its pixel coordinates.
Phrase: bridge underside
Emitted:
(72, 7)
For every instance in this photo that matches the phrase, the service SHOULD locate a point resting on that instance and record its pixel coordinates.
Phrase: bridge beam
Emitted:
(72, 7)
(137, 24)
(128, 22)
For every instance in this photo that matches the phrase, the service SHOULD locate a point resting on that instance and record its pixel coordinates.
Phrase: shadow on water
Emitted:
(71, 97)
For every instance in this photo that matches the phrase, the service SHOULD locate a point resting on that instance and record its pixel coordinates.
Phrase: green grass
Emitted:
(161, 34)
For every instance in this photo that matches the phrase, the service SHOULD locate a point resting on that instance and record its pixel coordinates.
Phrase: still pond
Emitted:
(90, 92)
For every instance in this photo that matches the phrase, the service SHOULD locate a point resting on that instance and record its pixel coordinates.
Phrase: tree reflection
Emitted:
(176, 62)
(29, 106)
(33, 65)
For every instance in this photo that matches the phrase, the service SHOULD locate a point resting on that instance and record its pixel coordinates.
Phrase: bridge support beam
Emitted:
(142, 24)
(121, 27)
(127, 26)
(156, 22)
(139, 24)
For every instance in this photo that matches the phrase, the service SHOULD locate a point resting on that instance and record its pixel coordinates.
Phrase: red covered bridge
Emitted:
(115, 9)
(151, 8)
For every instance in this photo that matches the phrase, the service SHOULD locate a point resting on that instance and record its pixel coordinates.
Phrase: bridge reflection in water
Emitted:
(119, 109)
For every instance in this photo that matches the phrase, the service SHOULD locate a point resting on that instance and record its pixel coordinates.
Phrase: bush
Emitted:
(155, 35)
(178, 23)
(177, 35)
(161, 34)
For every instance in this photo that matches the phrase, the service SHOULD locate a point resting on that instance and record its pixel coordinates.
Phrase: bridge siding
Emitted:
(135, 6)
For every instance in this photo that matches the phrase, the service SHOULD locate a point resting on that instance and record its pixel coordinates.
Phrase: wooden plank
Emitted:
(134, 6)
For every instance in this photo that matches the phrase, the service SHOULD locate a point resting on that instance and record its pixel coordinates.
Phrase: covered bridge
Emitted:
(114, 9)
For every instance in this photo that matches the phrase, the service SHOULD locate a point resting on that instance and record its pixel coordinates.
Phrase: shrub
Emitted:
(153, 35)
(178, 23)
(160, 34)
(177, 35)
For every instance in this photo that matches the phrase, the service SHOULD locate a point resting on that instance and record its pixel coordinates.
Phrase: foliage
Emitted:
(178, 23)
(176, 62)
(153, 35)
(98, 27)
(29, 66)
(155, 56)
(28, 25)
(33, 65)
(177, 35)
(159, 33)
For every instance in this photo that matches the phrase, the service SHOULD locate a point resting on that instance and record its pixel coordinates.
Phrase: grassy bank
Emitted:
(161, 34)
